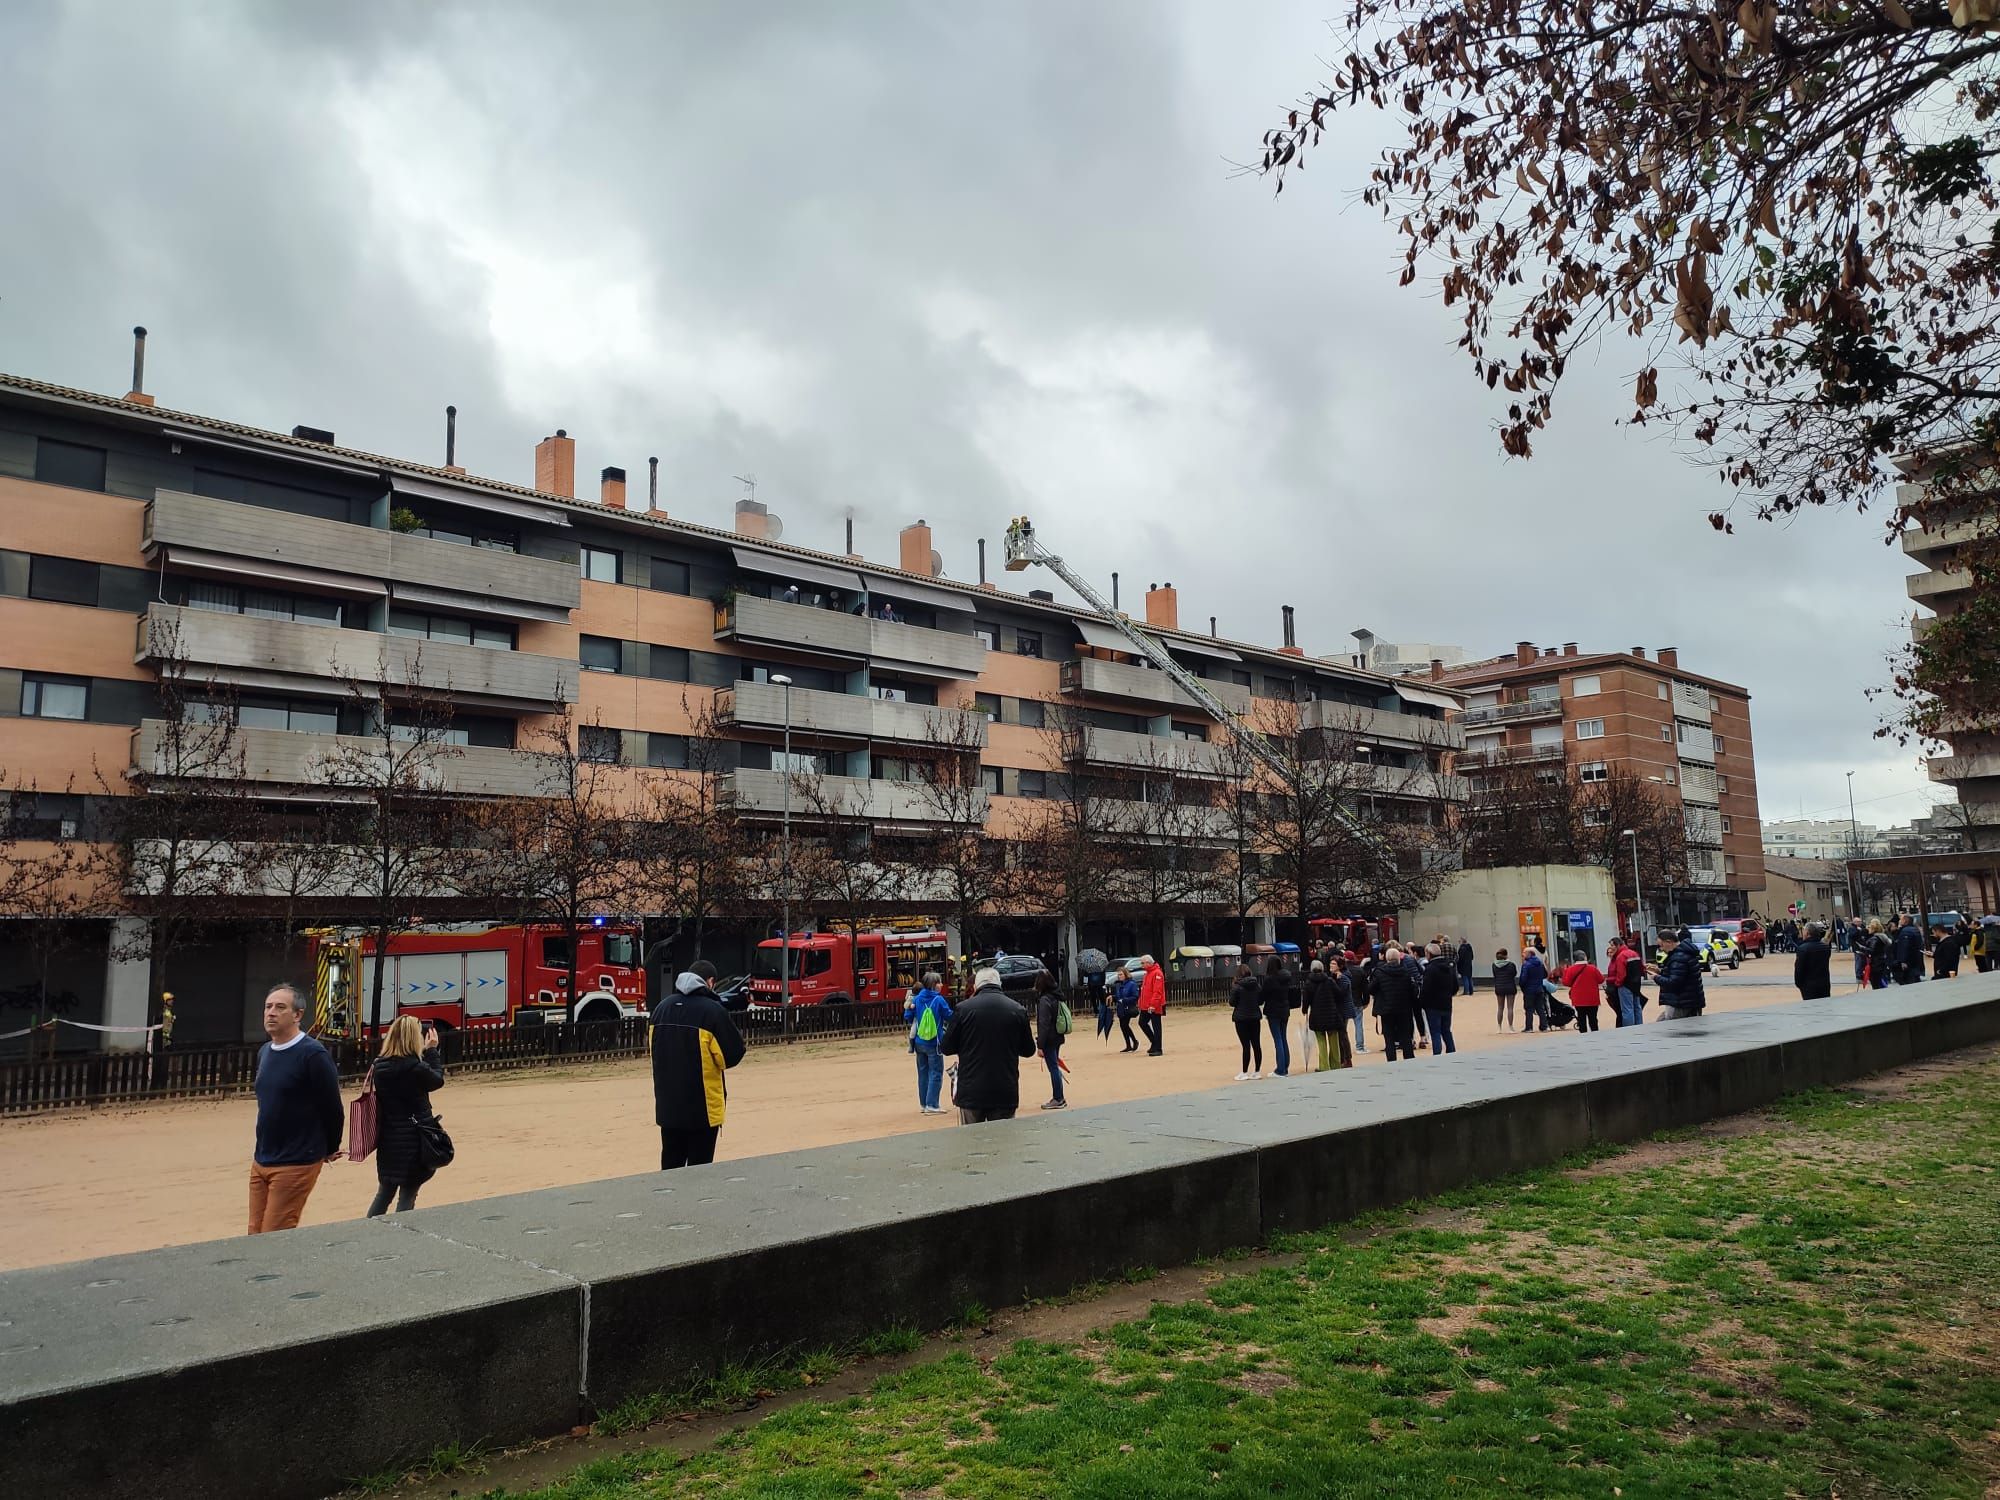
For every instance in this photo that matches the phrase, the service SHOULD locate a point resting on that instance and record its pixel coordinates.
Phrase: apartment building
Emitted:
(291, 569)
(1556, 710)
(1823, 838)
(1943, 588)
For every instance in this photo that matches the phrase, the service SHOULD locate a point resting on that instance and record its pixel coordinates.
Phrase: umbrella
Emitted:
(1092, 961)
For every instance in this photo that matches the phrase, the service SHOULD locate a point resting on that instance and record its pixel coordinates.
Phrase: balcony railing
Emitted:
(1938, 583)
(1517, 755)
(1964, 767)
(797, 627)
(763, 793)
(1113, 679)
(288, 758)
(761, 705)
(1514, 713)
(1166, 755)
(1382, 724)
(280, 654)
(923, 652)
(1162, 822)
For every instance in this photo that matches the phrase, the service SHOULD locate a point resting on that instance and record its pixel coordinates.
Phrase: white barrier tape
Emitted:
(87, 1026)
(8, 1036)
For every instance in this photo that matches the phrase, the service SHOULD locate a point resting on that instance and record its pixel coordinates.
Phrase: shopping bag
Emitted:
(362, 1121)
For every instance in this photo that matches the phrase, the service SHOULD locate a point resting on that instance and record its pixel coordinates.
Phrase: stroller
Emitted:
(1561, 1012)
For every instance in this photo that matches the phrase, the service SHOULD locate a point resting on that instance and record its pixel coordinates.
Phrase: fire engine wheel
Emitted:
(603, 1008)
(838, 999)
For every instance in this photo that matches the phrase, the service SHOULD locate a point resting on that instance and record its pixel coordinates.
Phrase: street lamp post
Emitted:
(1638, 898)
(785, 859)
(1853, 847)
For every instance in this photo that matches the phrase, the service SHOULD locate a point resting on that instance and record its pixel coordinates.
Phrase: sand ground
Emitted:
(119, 1179)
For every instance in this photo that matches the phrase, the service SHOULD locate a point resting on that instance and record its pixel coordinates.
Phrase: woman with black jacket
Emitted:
(404, 1076)
(1049, 1037)
(1281, 998)
(1246, 1012)
(1327, 1014)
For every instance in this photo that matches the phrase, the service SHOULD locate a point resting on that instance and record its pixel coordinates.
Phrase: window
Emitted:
(667, 663)
(670, 577)
(62, 580)
(1196, 732)
(989, 636)
(1721, 784)
(798, 763)
(265, 604)
(306, 716)
(1670, 775)
(1032, 714)
(1666, 731)
(1034, 783)
(598, 745)
(1544, 692)
(597, 653)
(988, 704)
(1548, 775)
(465, 534)
(1719, 746)
(1663, 689)
(54, 697)
(1583, 687)
(1546, 734)
(1240, 677)
(421, 626)
(555, 953)
(1725, 824)
(1596, 817)
(989, 777)
(602, 565)
(667, 752)
(1027, 643)
(1590, 729)
(72, 464)
(1729, 864)
(1594, 771)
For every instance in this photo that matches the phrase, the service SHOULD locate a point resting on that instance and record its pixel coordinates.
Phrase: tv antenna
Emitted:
(749, 483)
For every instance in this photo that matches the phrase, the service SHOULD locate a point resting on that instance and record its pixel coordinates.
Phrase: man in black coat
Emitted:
(1465, 966)
(989, 1035)
(1906, 954)
(1435, 995)
(1945, 953)
(1392, 986)
(693, 1042)
(1810, 962)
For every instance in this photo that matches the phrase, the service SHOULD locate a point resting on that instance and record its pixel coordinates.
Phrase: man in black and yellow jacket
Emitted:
(693, 1042)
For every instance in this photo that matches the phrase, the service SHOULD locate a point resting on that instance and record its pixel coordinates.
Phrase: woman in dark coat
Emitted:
(405, 1074)
(1327, 1014)
(1246, 1010)
(1281, 998)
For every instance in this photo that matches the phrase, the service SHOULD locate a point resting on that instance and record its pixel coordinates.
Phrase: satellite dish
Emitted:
(773, 528)
(937, 563)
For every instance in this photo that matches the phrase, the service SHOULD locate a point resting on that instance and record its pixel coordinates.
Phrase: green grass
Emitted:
(1811, 1310)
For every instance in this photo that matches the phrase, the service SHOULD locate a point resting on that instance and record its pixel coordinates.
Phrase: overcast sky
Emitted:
(951, 261)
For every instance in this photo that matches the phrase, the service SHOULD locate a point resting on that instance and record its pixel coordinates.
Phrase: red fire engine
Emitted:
(479, 977)
(1352, 934)
(831, 968)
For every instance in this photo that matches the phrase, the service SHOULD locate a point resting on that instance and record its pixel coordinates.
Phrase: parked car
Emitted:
(734, 993)
(1704, 938)
(1746, 933)
(1019, 971)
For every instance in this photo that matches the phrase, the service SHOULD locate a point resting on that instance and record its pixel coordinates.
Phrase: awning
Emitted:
(795, 570)
(478, 499)
(213, 563)
(1425, 695)
(1199, 648)
(1103, 637)
(920, 593)
(476, 604)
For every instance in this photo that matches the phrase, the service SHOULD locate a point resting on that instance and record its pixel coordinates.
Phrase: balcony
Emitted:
(1941, 582)
(278, 547)
(922, 652)
(1691, 703)
(1169, 756)
(1691, 743)
(1513, 713)
(286, 655)
(793, 627)
(1382, 724)
(756, 793)
(280, 757)
(1944, 534)
(1113, 679)
(1395, 781)
(761, 705)
(1171, 822)
(1515, 755)
(1704, 877)
(1964, 767)
(1702, 825)
(1698, 784)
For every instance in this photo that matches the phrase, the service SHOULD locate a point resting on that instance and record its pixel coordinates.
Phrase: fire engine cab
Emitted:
(481, 977)
(832, 968)
(1352, 934)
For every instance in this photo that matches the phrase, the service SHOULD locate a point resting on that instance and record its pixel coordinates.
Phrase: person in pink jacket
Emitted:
(1152, 1004)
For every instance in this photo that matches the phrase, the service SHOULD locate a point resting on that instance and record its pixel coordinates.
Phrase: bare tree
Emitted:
(1169, 838)
(48, 886)
(698, 861)
(571, 853)
(967, 862)
(1064, 851)
(1530, 815)
(409, 846)
(834, 869)
(303, 853)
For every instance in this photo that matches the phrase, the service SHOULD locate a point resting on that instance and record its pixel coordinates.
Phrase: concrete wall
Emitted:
(1484, 905)
(515, 1317)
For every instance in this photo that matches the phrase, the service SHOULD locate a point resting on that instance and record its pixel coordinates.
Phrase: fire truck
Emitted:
(478, 977)
(1352, 934)
(831, 968)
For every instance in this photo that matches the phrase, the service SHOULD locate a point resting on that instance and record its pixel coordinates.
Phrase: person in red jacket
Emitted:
(1586, 992)
(1625, 978)
(1152, 1004)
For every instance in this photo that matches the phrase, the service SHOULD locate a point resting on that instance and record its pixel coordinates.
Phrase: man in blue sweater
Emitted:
(299, 1115)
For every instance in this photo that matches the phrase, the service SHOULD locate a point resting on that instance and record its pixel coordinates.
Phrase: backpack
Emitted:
(927, 1026)
(1063, 1021)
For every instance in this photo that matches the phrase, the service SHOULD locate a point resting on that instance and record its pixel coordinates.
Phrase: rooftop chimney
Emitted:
(1524, 653)
(1569, 648)
(1291, 646)
(555, 465)
(753, 518)
(1042, 594)
(611, 488)
(451, 441)
(1640, 652)
(1163, 607)
(307, 434)
(1670, 656)
(652, 484)
(982, 551)
(1437, 669)
(1114, 591)
(137, 395)
(917, 556)
(1211, 627)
